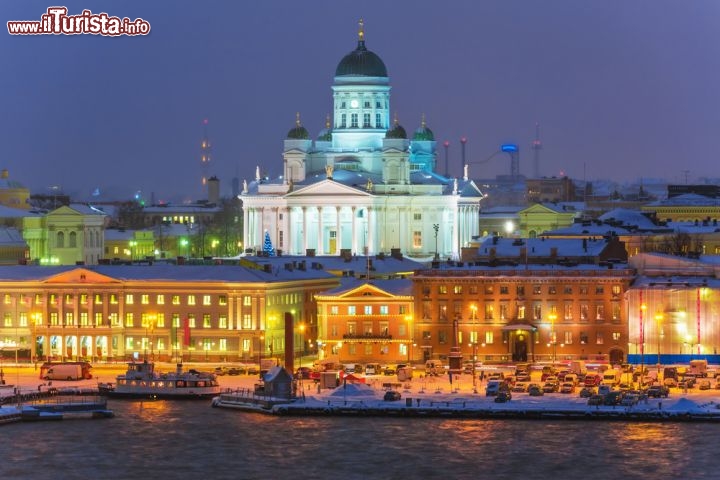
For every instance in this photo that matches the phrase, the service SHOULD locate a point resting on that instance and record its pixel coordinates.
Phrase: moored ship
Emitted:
(141, 381)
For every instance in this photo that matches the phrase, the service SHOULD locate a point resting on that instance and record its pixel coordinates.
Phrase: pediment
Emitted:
(81, 275)
(366, 290)
(327, 187)
(537, 208)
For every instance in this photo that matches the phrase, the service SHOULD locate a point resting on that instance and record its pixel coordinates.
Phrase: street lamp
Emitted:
(474, 346)
(658, 321)
(553, 338)
(436, 227)
(408, 319)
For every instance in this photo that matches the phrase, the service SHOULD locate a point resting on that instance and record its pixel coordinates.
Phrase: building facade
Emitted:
(536, 313)
(362, 185)
(364, 322)
(161, 312)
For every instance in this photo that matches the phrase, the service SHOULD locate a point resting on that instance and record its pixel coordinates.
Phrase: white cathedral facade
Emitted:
(362, 186)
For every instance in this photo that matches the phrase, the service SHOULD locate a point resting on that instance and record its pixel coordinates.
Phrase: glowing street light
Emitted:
(553, 339)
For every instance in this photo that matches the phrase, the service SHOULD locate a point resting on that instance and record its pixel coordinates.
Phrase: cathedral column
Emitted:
(371, 231)
(353, 240)
(305, 231)
(246, 225)
(320, 248)
(455, 232)
(403, 234)
(338, 236)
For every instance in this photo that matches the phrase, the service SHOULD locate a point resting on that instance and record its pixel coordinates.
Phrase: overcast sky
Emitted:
(621, 89)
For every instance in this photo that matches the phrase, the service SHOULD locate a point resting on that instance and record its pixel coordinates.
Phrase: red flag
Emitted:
(186, 332)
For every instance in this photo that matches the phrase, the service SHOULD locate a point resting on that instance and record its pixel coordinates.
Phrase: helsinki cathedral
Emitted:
(363, 186)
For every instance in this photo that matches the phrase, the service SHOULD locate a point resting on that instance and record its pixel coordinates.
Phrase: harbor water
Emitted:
(189, 439)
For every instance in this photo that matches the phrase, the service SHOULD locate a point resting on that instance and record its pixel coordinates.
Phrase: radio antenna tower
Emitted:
(536, 147)
(205, 155)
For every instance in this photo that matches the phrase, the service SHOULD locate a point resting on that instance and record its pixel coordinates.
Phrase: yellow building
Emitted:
(13, 194)
(68, 235)
(541, 217)
(165, 312)
(367, 322)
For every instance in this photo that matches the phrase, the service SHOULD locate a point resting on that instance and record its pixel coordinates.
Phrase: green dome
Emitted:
(325, 135)
(361, 62)
(397, 131)
(424, 133)
(299, 132)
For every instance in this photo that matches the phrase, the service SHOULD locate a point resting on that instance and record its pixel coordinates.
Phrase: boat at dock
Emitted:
(141, 381)
(61, 406)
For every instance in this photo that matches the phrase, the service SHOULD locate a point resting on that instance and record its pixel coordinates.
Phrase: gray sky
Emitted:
(622, 89)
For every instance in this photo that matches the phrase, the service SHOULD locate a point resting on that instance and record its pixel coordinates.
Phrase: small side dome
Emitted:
(325, 134)
(397, 131)
(424, 133)
(299, 132)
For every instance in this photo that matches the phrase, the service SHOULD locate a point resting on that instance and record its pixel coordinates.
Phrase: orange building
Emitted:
(367, 322)
(527, 313)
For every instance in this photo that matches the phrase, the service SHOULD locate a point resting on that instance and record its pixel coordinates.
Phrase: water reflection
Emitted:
(191, 440)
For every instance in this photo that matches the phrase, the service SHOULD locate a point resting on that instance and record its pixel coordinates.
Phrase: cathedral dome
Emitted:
(298, 132)
(325, 134)
(397, 131)
(424, 133)
(361, 62)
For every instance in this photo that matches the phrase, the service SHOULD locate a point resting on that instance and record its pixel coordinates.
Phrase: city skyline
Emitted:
(620, 90)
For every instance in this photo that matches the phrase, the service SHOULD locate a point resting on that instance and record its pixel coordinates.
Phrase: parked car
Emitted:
(303, 372)
(629, 400)
(392, 396)
(587, 392)
(389, 370)
(550, 387)
(520, 387)
(670, 382)
(658, 391)
(704, 384)
(567, 387)
(614, 398)
(503, 396)
(535, 391)
(220, 371)
(234, 371)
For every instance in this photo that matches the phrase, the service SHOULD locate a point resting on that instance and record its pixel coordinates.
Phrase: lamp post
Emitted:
(436, 227)
(261, 345)
(408, 319)
(658, 321)
(474, 346)
(553, 339)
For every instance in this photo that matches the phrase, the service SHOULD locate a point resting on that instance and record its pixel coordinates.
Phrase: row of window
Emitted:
(368, 309)
(145, 299)
(520, 289)
(586, 311)
(354, 121)
(146, 320)
(366, 104)
(488, 337)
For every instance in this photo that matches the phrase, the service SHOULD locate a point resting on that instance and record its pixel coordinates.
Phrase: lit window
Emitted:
(207, 300)
(206, 320)
(176, 299)
(161, 299)
(191, 300)
(145, 299)
(222, 300)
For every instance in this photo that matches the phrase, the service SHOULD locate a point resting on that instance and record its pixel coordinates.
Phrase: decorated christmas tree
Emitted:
(267, 245)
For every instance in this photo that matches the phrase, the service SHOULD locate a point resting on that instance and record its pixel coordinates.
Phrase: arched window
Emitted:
(73, 240)
(60, 239)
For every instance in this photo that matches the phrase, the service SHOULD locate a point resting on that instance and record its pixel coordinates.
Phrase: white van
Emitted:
(433, 367)
(611, 377)
(373, 369)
